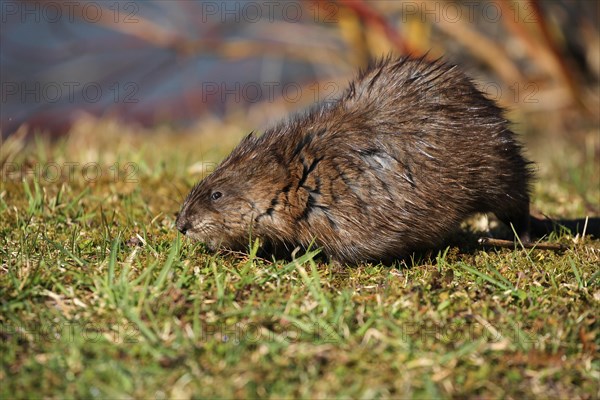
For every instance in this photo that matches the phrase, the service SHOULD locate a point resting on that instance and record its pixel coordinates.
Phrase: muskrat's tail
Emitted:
(583, 226)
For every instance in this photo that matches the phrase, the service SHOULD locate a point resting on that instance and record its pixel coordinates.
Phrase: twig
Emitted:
(509, 244)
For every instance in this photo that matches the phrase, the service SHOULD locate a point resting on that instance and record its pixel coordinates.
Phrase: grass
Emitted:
(101, 298)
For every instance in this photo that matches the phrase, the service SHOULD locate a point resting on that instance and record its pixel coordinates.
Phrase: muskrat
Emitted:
(393, 166)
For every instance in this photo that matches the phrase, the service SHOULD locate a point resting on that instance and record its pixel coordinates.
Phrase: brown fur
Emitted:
(409, 151)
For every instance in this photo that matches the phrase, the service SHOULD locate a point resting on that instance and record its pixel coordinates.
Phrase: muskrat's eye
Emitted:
(216, 195)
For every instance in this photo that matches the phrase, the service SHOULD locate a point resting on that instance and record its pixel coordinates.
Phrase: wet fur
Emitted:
(408, 152)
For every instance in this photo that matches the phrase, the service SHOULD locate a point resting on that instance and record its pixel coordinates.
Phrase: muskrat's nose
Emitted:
(183, 225)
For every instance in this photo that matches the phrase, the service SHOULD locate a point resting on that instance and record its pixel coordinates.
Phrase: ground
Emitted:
(101, 297)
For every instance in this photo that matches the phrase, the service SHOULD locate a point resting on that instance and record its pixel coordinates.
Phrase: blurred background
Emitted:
(209, 72)
(150, 63)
